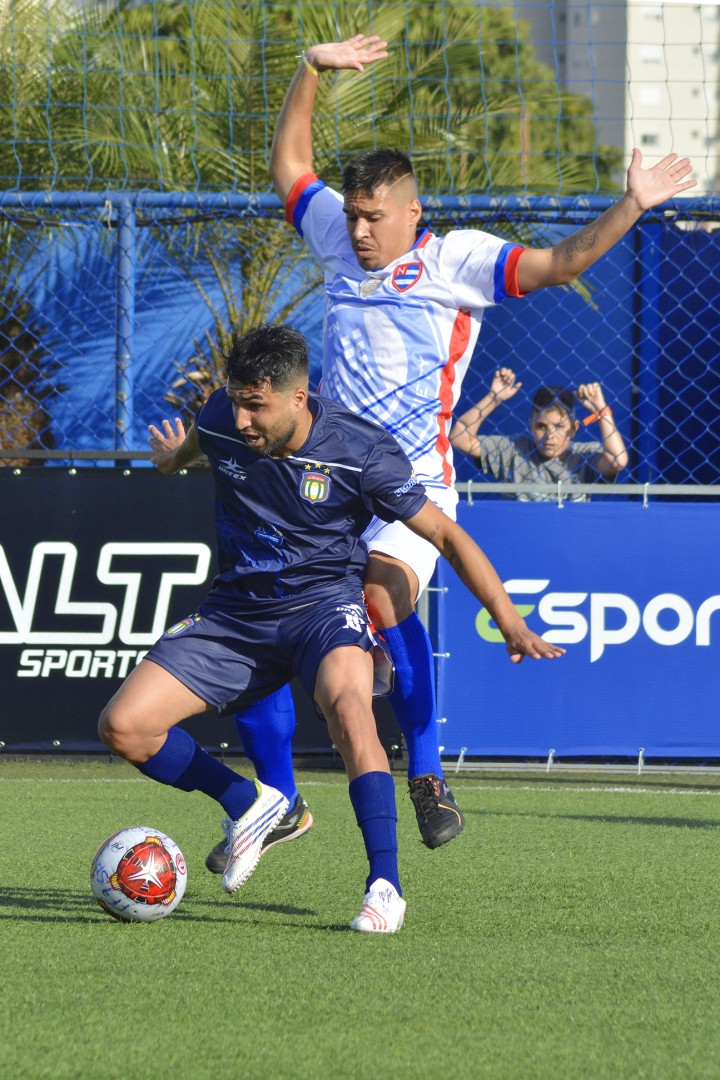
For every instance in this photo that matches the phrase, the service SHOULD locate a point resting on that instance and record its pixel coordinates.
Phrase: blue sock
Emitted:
(373, 798)
(266, 729)
(413, 696)
(182, 763)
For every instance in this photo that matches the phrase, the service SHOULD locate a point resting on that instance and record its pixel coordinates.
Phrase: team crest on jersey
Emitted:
(315, 486)
(184, 624)
(405, 275)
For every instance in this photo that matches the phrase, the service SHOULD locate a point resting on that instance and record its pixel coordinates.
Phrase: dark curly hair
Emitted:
(274, 354)
(554, 397)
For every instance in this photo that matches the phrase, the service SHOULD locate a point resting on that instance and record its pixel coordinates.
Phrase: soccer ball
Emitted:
(138, 875)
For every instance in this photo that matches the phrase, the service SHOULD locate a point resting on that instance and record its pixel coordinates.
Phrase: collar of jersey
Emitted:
(422, 238)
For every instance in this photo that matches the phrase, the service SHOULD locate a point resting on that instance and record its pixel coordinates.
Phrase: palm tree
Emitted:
(182, 96)
(115, 97)
(464, 94)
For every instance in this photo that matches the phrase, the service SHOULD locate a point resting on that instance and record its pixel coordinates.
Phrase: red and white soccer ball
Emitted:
(138, 875)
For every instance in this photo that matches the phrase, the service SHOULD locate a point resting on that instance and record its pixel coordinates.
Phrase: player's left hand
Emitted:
(164, 443)
(352, 54)
(649, 187)
(523, 642)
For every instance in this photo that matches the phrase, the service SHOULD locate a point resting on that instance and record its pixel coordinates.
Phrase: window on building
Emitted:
(651, 54)
(650, 96)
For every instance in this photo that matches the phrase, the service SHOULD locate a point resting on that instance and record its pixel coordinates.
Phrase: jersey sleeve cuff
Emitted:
(511, 267)
(300, 194)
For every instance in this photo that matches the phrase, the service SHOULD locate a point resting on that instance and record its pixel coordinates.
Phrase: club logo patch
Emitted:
(405, 275)
(184, 624)
(315, 486)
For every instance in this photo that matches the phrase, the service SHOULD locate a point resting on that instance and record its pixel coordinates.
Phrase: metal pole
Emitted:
(124, 322)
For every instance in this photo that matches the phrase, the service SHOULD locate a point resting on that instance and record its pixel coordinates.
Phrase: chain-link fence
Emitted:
(115, 311)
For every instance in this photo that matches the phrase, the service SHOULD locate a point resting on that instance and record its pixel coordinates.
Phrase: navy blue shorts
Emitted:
(232, 658)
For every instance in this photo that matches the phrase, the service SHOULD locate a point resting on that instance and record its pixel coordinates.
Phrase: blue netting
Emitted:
(645, 324)
(116, 306)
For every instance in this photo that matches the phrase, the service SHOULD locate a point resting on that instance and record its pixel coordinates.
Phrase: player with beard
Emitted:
(298, 478)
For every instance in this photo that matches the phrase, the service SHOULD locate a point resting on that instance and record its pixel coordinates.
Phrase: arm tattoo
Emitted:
(578, 243)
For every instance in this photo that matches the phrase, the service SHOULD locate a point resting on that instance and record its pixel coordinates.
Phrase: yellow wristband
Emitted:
(313, 70)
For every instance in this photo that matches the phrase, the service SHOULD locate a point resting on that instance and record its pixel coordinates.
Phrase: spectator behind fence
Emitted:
(548, 454)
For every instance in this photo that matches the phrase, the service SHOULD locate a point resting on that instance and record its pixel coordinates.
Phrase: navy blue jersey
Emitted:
(290, 526)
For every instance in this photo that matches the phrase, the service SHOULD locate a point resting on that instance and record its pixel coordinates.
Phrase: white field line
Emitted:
(609, 789)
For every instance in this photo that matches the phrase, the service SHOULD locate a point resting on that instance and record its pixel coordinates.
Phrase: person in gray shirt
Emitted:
(549, 453)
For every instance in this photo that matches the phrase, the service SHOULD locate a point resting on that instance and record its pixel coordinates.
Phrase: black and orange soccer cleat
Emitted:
(439, 817)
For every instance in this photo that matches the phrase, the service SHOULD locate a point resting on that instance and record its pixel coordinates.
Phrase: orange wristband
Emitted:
(607, 411)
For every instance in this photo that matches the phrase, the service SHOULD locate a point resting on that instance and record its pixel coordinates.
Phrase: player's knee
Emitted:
(350, 722)
(388, 602)
(117, 730)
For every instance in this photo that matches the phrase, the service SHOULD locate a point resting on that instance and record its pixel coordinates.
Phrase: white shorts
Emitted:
(399, 542)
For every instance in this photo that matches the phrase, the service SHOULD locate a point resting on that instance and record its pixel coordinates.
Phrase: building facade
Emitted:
(652, 71)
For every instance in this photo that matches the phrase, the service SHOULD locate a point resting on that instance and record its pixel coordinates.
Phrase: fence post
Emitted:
(124, 321)
(647, 373)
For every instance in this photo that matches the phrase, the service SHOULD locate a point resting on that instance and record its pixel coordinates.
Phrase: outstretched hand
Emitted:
(164, 443)
(352, 54)
(523, 642)
(649, 187)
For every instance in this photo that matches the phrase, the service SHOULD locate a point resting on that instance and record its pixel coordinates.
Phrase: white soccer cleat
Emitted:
(245, 836)
(383, 910)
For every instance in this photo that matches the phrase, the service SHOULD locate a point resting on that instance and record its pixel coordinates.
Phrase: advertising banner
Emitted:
(95, 564)
(633, 594)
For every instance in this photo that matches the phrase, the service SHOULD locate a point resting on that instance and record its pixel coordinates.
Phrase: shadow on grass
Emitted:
(48, 905)
(70, 905)
(232, 903)
(612, 819)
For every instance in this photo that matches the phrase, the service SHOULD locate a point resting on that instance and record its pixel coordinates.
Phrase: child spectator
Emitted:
(548, 454)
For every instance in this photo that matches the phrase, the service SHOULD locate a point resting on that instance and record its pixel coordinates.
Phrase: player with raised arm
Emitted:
(403, 312)
(297, 480)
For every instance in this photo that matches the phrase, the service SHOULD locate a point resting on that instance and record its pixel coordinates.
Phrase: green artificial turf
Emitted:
(570, 932)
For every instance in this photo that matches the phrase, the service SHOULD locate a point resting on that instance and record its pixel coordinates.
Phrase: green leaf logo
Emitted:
(490, 632)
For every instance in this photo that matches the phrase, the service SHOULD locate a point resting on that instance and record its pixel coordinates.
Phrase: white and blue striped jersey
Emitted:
(397, 341)
(291, 527)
